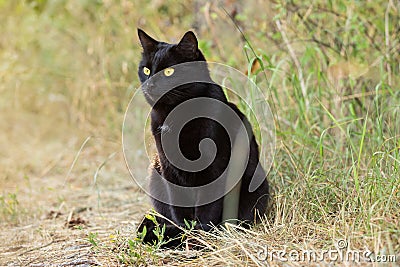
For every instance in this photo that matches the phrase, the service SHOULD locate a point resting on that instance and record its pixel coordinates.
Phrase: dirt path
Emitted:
(48, 209)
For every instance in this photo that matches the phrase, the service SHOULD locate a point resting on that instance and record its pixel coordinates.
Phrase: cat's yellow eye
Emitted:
(146, 71)
(168, 71)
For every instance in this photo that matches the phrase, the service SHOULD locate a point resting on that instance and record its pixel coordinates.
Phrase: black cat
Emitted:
(160, 58)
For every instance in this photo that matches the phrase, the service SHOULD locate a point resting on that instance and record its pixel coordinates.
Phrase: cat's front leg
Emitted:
(159, 229)
(209, 215)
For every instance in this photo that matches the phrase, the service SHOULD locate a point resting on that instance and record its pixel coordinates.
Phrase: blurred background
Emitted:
(69, 68)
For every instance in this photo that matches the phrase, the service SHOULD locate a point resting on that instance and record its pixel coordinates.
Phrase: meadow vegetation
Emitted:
(331, 73)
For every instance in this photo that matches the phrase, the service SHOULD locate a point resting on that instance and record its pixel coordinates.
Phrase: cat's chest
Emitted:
(186, 134)
(163, 129)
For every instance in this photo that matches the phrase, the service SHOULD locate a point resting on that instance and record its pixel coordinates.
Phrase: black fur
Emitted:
(157, 56)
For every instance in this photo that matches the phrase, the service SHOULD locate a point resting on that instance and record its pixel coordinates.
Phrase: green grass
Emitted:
(10, 209)
(331, 74)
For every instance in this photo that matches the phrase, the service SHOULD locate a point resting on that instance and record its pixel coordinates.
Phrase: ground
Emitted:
(329, 71)
(57, 203)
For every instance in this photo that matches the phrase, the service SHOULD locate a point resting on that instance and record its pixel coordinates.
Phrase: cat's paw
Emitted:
(145, 231)
(162, 235)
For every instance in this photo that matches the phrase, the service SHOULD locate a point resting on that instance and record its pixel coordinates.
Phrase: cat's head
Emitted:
(160, 57)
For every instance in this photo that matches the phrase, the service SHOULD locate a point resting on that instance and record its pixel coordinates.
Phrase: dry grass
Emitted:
(68, 69)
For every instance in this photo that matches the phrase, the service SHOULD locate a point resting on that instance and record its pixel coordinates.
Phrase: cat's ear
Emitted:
(188, 45)
(149, 44)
